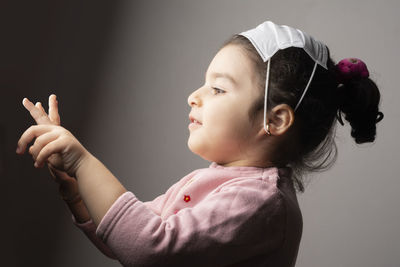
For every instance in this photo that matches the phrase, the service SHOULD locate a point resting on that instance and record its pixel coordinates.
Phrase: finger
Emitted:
(37, 114)
(46, 119)
(42, 141)
(63, 177)
(52, 172)
(53, 147)
(57, 175)
(53, 109)
(29, 134)
(54, 175)
(39, 106)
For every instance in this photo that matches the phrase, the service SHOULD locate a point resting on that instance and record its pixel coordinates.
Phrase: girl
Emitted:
(265, 116)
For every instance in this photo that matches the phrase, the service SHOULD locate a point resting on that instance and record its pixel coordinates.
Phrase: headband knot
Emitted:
(351, 68)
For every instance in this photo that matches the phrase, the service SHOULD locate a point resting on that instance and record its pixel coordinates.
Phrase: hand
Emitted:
(53, 144)
(40, 116)
(52, 139)
(68, 185)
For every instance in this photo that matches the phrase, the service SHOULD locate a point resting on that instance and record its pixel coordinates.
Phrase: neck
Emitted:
(247, 163)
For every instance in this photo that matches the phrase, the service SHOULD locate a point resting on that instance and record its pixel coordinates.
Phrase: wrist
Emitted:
(69, 191)
(72, 200)
(78, 209)
(83, 162)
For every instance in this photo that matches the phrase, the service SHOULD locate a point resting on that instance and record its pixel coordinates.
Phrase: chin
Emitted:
(193, 147)
(196, 149)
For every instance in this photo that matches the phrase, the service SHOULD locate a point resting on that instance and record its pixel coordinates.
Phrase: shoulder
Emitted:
(270, 190)
(257, 207)
(261, 193)
(263, 183)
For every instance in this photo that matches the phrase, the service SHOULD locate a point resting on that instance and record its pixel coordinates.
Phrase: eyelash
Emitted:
(217, 89)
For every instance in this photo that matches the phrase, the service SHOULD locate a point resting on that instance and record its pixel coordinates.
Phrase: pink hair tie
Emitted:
(351, 68)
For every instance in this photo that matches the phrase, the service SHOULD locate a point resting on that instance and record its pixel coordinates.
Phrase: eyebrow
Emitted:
(222, 75)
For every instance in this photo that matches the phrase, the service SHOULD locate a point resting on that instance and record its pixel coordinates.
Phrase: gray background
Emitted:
(122, 71)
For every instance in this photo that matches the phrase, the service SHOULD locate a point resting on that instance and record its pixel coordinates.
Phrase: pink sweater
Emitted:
(216, 216)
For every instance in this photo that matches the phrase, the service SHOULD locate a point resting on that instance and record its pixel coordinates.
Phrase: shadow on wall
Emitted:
(51, 47)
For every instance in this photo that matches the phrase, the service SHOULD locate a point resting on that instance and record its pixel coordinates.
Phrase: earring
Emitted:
(268, 132)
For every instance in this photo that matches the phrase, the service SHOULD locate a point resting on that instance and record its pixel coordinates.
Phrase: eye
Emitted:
(217, 90)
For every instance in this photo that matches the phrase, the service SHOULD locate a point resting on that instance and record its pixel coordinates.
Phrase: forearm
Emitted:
(69, 192)
(82, 220)
(98, 187)
(79, 210)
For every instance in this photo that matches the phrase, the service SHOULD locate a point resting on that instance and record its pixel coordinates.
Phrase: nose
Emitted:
(194, 98)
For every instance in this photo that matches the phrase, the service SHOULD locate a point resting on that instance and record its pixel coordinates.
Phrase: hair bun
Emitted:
(359, 100)
(379, 117)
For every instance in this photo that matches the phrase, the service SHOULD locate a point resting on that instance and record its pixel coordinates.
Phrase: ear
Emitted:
(280, 119)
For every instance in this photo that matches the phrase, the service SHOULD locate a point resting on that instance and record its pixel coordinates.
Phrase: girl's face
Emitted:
(221, 105)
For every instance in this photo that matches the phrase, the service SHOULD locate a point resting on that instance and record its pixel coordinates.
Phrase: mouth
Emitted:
(194, 120)
(194, 123)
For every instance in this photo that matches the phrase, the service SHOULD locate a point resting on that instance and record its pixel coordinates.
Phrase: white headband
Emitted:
(268, 37)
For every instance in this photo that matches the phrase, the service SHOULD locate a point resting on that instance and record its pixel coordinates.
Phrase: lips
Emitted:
(194, 119)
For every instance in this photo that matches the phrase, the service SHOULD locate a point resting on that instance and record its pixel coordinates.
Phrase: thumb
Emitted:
(58, 175)
(54, 173)
(52, 170)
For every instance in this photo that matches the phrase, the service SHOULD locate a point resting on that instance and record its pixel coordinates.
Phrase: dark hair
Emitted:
(313, 132)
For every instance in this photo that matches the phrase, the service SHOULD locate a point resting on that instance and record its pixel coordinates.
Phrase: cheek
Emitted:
(228, 127)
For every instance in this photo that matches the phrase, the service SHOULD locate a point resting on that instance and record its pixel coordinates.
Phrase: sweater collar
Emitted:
(286, 171)
(215, 165)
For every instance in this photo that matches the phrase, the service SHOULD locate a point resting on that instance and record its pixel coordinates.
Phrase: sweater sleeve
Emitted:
(89, 228)
(234, 224)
